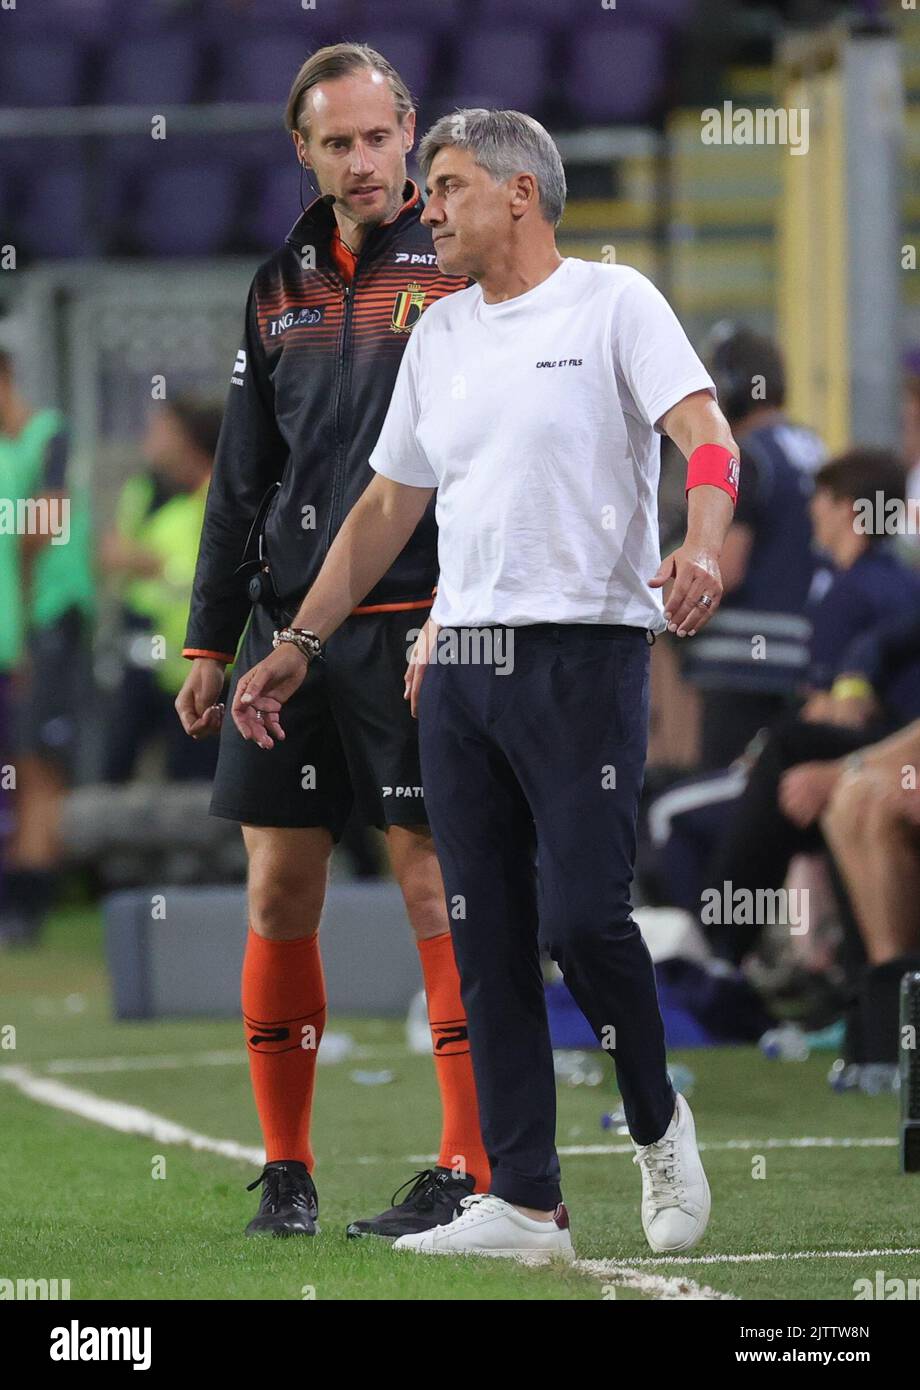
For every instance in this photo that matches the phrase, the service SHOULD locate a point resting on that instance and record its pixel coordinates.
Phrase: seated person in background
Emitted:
(152, 552)
(736, 815)
(685, 823)
(910, 448)
(45, 614)
(870, 588)
(767, 561)
(871, 826)
(876, 688)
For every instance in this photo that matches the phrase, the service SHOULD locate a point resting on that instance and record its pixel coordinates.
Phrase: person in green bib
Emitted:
(47, 595)
(151, 553)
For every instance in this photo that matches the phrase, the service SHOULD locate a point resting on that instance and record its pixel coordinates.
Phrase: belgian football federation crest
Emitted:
(408, 308)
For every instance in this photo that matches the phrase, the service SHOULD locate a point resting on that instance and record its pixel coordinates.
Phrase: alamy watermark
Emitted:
(36, 516)
(886, 1290)
(468, 646)
(77, 1342)
(882, 515)
(26, 1290)
(761, 907)
(763, 125)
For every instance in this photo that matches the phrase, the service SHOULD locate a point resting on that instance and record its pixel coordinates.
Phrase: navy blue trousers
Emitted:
(532, 782)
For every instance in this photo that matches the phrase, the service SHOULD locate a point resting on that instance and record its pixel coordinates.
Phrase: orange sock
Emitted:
(284, 1008)
(460, 1137)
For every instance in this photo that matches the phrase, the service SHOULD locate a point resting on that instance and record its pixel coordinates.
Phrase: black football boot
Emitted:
(434, 1200)
(289, 1205)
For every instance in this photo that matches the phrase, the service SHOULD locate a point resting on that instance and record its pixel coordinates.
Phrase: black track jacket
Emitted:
(309, 391)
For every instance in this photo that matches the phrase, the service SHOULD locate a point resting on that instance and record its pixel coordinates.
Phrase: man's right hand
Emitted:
(197, 704)
(419, 658)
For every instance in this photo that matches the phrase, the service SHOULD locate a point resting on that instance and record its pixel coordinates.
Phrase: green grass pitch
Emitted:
(79, 1200)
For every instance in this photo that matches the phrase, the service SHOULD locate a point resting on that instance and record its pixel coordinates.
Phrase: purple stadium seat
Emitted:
(185, 212)
(153, 16)
(502, 68)
(329, 20)
(274, 206)
(53, 217)
(41, 72)
(415, 14)
(676, 14)
(615, 74)
(141, 154)
(237, 153)
(17, 156)
(262, 69)
(547, 14)
(52, 18)
(410, 51)
(553, 15)
(156, 70)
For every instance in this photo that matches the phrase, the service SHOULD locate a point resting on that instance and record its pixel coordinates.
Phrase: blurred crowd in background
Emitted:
(51, 587)
(800, 702)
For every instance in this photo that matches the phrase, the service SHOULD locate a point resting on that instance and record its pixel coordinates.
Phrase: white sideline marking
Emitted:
(769, 1255)
(97, 1105)
(129, 1119)
(659, 1286)
(133, 1119)
(87, 1066)
(714, 1146)
(726, 1145)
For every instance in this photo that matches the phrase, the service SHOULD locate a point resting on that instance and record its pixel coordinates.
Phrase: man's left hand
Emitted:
(695, 572)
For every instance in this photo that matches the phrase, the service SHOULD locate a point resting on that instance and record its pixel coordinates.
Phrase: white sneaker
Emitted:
(675, 1193)
(488, 1225)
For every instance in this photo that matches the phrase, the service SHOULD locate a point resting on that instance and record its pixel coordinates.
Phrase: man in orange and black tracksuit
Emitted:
(327, 321)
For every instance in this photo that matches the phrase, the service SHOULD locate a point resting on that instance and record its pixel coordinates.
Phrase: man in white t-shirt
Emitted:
(532, 404)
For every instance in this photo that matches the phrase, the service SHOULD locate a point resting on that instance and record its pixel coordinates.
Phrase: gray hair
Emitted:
(504, 143)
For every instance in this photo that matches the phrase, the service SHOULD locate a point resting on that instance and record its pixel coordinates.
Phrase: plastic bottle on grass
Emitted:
(879, 1078)
(785, 1044)
(843, 1076)
(870, 1078)
(577, 1068)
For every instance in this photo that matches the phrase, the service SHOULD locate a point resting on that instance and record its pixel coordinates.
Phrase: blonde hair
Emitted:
(339, 60)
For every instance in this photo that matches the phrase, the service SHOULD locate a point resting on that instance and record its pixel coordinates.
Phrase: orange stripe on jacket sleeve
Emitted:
(393, 607)
(192, 652)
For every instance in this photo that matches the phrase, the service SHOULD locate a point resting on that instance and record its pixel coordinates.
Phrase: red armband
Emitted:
(716, 466)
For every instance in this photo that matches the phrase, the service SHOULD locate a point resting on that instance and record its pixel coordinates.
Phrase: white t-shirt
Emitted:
(535, 420)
